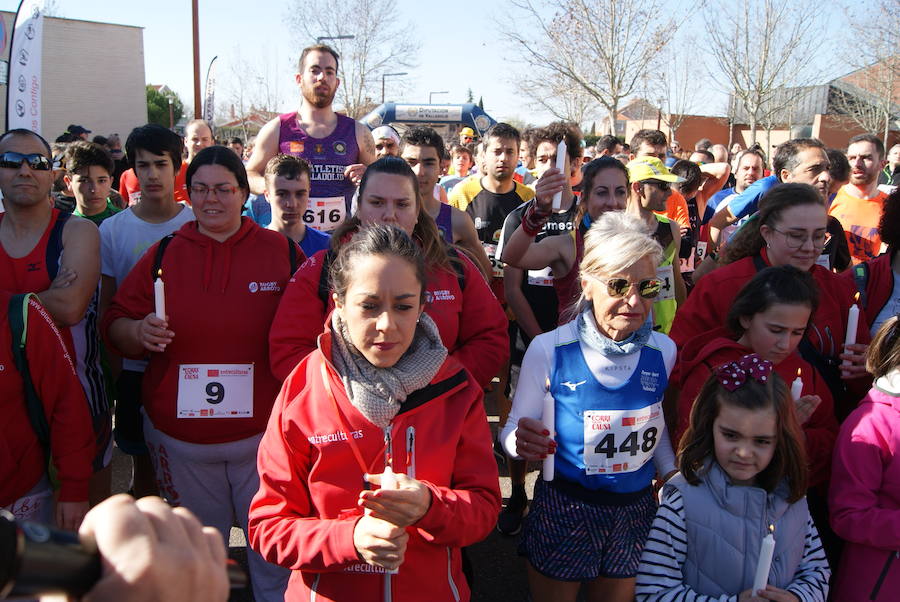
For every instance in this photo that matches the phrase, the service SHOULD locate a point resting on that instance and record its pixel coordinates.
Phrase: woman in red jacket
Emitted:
(207, 392)
(378, 395)
(472, 324)
(790, 229)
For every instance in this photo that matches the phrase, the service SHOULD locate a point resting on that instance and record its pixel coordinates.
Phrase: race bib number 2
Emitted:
(620, 441)
(215, 391)
(325, 214)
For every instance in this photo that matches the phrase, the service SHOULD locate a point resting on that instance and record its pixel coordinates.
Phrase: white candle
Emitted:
(797, 386)
(766, 551)
(159, 296)
(549, 420)
(852, 325)
(388, 479)
(561, 166)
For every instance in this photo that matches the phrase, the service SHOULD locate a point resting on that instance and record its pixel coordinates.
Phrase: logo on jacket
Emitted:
(253, 286)
(264, 287)
(320, 149)
(296, 146)
(649, 381)
(572, 386)
(340, 148)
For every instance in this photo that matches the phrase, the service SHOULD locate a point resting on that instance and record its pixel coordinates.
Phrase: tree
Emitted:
(470, 97)
(561, 100)
(252, 86)
(677, 84)
(761, 47)
(381, 43)
(600, 47)
(158, 107)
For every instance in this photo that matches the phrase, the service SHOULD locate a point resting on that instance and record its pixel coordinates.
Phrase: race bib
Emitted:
(667, 275)
(215, 391)
(701, 250)
(618, 441)
(325, 214)
(496, 264)
(540, 277)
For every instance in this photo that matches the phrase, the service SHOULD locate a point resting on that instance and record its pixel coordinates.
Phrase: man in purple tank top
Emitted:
(337, 147)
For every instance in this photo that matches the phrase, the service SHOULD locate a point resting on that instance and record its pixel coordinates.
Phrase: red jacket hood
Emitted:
(700, 349)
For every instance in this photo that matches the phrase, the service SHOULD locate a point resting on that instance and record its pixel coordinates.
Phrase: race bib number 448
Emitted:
(620, 441)
(215, 391)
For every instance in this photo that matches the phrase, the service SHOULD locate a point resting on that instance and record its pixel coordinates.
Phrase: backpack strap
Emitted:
(324, 284)
(861, 278)
(17, 314)
(55, 244)
(292, 254)
(158, 257)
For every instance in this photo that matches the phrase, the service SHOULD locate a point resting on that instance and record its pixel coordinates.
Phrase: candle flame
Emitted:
(798, 372)
(159, 273)
(856, 297)
(772, 529)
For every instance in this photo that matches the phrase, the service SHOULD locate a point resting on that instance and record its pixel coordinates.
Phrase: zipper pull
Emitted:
(388, 444)
(411, 452)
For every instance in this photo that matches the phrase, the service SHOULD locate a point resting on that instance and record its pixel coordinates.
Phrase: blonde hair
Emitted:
(615, 242)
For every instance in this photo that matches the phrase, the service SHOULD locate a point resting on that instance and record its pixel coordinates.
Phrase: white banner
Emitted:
(441, 113)
(23, 106)
(209, 104)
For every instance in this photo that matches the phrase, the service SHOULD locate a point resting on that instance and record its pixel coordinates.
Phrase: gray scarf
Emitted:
(591, 336)
(378, 392)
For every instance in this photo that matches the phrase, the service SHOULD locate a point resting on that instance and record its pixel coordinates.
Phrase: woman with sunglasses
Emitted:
(606, 372)
(208, 391)
(789, 229)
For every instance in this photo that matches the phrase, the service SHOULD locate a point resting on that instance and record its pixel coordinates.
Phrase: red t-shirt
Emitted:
(130, 187)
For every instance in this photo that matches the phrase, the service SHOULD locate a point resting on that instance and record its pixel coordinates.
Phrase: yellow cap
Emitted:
(650, 168)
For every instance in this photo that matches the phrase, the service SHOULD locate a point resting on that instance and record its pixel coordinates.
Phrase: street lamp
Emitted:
(320, 39)
(171, 116)
(384, 75)
(430, 94)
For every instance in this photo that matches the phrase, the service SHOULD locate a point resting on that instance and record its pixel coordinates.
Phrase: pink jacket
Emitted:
(865, 499)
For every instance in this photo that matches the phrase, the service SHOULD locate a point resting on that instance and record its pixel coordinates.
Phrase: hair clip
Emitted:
(733, 375)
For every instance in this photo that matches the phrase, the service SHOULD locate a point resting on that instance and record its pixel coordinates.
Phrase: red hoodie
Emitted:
(220, 300)
(879, 285)
(472, 323)
(703, 353)
(305, 511)
(22, 461)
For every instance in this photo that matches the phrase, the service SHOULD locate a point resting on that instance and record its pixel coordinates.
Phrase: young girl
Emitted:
(743, 469)
(865, 490)
(769, 317)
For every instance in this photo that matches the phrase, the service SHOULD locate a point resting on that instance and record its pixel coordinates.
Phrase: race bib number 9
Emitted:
(215, 391)
(667, 275)
(325, 214)
(619, 441)
(496, 264)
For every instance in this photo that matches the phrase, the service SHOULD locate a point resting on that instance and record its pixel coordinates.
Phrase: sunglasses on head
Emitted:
(36, 161)
(648, 289)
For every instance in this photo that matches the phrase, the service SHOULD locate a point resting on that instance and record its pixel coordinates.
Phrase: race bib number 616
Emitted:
(619, 441)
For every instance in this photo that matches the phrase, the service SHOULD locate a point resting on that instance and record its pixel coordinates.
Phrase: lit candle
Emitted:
(852, 324)
(549, 420)
(797, 386)
(561, 166)
(159, 296)
(766, 551)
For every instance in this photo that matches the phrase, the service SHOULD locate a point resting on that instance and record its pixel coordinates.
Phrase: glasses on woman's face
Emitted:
(219, 190)
(619, 287)
(794, 239)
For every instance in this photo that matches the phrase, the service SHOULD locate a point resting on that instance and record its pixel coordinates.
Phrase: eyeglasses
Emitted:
(220, 190)
(795, 240)
(619, 287)
(36, 161)
(664, 186)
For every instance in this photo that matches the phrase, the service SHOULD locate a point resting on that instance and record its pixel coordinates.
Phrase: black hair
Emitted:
(27, 132)
(555, 132)
(651, 137)
(503, 131)
(607, 143)
(424, 136)
(83, 154)
(155, 139)
(890, 220)
(871, 138)
(787, 155)
(691, 173)
(839, 166)
(219, 155)
(777, 284)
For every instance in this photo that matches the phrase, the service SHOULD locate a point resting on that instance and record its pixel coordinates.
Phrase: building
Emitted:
(93, 76)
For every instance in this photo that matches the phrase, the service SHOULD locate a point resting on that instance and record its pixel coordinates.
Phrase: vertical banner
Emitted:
(209, 103)
(23, 102)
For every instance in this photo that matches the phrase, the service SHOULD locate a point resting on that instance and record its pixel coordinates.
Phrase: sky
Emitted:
(458, 51)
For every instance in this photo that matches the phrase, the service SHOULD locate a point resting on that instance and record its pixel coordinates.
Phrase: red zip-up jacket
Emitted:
(305, 511)
(879, 285)
(220, 301)
(22, 461)
(472, 323)
(702, 354)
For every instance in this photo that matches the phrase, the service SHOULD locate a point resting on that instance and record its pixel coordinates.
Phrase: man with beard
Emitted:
(858, 204)
(337, 147)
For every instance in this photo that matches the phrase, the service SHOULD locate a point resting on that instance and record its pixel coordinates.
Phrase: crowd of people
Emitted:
(701, 348)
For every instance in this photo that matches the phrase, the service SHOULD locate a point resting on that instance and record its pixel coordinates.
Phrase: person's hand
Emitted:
(354, 173)
(550, 182)
(154, 552)
(64, 277)
(380, 543)
(154, 333)
(774, 593)
(806, 406)
(403, 506)
(70, 514)
(854, 353)
(533, 440)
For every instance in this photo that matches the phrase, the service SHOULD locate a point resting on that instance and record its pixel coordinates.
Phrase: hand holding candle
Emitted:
(549, 420)
(561, 166)
(852, 325)
(766, 552)
(797, 386)
(159, 296)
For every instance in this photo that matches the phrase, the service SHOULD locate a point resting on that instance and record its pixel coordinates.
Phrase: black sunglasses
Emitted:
(36, 161)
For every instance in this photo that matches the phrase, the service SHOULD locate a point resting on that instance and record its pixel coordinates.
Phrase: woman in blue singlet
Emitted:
(606, 371)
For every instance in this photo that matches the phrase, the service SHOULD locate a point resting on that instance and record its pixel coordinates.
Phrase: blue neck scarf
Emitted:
(593, 338)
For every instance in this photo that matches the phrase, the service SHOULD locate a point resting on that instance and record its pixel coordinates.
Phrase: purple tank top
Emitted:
(444, 221)
(327, 157)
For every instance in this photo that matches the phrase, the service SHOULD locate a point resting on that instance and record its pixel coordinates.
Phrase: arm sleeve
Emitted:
(810, 583)
(746, 203)
(299, 320)
(659, 576)
(856, 479)
(482, 345)
(474, 498)
(281, 525)
(528, 401)
(134, 298)
(65, 406)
